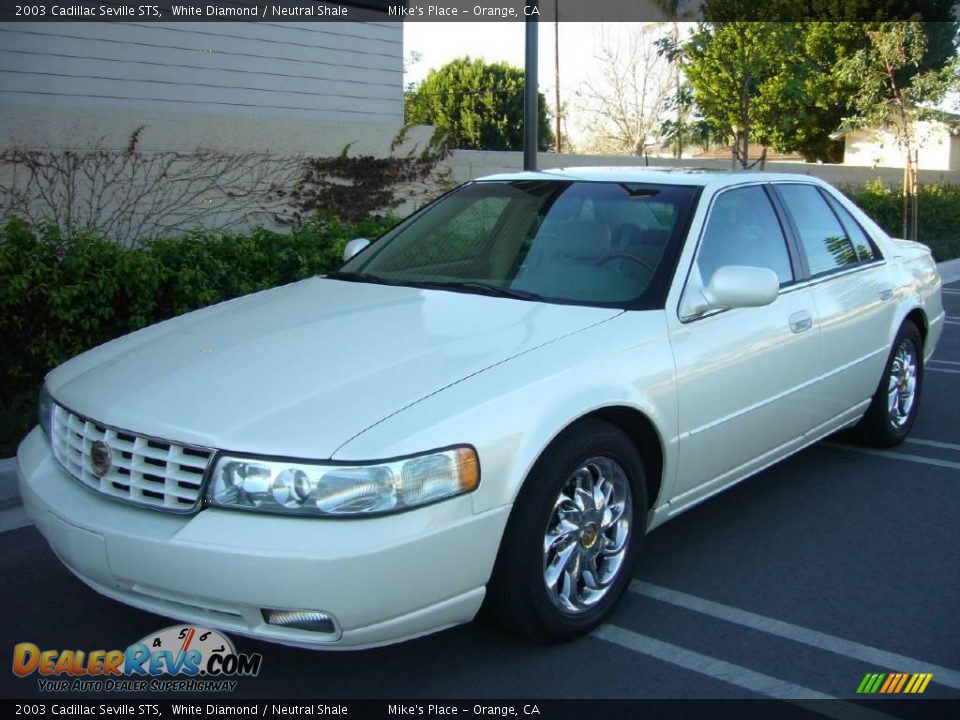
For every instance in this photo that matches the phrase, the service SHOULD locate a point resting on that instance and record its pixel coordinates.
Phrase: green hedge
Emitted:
(938, 213)
(59, 297)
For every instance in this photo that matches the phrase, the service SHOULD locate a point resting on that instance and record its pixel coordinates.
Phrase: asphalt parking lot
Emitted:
(839, 562)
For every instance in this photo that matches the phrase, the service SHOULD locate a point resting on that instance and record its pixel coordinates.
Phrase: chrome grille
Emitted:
(143, 470)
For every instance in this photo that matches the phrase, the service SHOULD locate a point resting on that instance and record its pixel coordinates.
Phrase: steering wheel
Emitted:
(627, 256)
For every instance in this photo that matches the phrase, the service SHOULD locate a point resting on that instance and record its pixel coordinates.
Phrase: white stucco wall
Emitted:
(468, 164)
(937, 148)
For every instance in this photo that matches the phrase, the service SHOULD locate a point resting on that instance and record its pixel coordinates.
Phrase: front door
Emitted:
(744, 376)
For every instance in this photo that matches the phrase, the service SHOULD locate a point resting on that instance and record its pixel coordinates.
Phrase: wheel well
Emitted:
(918, 318)
(641, 431)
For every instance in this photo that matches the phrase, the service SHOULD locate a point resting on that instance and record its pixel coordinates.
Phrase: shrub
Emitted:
(60, 296)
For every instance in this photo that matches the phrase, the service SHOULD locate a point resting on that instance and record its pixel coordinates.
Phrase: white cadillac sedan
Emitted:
(487, 408)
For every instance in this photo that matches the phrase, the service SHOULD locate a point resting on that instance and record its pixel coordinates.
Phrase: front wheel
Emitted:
(573, 536)
(894, 406)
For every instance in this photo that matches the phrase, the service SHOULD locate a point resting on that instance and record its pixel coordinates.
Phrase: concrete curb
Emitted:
(8, 482)
(949, 271)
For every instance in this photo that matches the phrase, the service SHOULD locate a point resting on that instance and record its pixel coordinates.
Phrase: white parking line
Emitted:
(706, 665)
(934, 443)
(875, 656)
(894, 455)
(944, 370)
(733, 674)
(944, 362)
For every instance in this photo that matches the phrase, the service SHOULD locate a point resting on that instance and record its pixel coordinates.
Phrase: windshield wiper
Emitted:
(480, 287)
(359, 277)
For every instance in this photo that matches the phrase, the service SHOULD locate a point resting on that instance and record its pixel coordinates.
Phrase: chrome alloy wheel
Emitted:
(587, 536)
(902, 383)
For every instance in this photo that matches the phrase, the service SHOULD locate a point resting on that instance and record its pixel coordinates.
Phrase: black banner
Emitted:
(579, 709)
(462, 10)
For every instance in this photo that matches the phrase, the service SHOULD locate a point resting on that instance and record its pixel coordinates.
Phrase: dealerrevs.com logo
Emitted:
(178, 658)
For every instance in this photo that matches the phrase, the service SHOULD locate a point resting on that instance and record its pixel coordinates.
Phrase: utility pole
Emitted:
(531, 114)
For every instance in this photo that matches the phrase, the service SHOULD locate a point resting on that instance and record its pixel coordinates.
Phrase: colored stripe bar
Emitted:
(875, 685)
(891, 680)
(862, 687)
(919, 683)
(903, 680)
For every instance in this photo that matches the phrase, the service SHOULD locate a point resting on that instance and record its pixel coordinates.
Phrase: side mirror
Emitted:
(736, 286)
(353, 247)
(732, 286)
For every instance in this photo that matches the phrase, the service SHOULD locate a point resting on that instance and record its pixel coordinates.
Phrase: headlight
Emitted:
(45, 411)
(305, 488)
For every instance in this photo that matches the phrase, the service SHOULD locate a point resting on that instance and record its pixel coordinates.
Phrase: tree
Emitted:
(886, 99)
(479, 105)
(729, 65)
(804, 94)
(678, 130)
(683, 124)
(624, 104)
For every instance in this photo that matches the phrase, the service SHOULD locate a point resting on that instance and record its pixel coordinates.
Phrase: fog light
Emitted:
(312, 620)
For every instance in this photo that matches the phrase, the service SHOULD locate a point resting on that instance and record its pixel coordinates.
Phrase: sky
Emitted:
(441, 42)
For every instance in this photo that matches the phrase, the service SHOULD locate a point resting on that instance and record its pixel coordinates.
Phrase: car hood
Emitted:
(300, 370)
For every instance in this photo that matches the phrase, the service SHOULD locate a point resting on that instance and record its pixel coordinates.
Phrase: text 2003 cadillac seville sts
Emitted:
(490, 405)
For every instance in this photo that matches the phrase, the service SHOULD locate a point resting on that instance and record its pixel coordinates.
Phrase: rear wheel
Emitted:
(894, 407)
(573, 536)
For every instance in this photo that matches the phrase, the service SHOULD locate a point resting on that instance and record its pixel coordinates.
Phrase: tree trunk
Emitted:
(905, 192)
(558, 140)
(676, 70)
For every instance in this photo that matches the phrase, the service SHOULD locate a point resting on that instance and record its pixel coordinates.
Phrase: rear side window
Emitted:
(824, 240)
(866, 250)
(743, 229)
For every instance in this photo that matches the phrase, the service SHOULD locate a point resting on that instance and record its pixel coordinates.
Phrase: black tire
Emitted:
(884, 425)
(518, 597)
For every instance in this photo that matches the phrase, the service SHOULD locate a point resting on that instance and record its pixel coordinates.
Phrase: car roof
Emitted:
(675, 176)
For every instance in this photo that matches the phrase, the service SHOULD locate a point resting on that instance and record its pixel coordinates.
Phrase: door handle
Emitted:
(801, 321)
(886, 292)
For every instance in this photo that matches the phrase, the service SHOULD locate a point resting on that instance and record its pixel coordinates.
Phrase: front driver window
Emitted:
(743, 229)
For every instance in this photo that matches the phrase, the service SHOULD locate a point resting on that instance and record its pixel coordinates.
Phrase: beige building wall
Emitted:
(283, 88)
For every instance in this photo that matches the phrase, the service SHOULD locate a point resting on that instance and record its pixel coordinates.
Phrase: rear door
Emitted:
(853, 291)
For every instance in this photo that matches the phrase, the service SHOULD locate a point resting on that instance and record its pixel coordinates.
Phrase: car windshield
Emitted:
(591, 243)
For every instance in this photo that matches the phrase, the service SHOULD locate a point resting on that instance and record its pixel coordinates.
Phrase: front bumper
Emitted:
(383, 579)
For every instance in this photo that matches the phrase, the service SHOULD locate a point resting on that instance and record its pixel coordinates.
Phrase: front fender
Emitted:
(511, 412)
